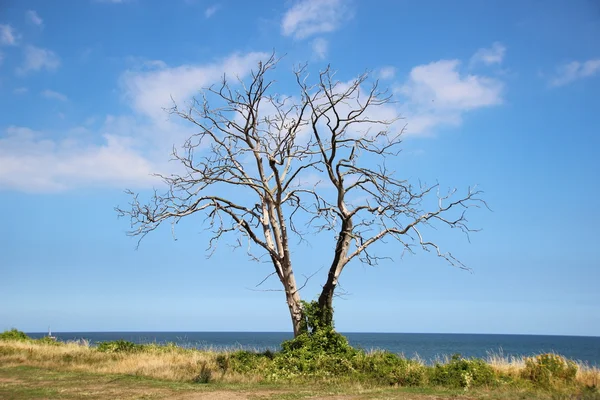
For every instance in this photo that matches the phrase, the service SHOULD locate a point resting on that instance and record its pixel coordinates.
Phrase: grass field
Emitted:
(44, 370)
(42, 383)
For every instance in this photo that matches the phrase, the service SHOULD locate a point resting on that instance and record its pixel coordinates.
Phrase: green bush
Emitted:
(390, 368)
(318, 351)
(549, 369)
(462, 372)
(243, 361)
(305, 363)
(324, 340)
(14, 334)
(119, 346)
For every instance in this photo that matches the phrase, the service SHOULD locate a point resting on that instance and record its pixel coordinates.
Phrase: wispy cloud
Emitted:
(387, 72)
(440, 85)
(20, 90)
(37, 59)
(50, 94)
(210, 11)
(491, 55)
(8, 37)
(438, 94)
(320, 47)
(33, 17)
(150, 91)
(31, 162)
(575, 70)
(312, 17)
(131, 147)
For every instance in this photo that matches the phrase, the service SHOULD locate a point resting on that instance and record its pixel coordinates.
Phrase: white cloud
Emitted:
(7, 35)
(34, 18)
(320, 47)
(490, 56)
(30, 162)
(37, 59)
(210, 11)
(125, 150)
(575, 70)
(438, 94)
(20, 90)
(50, 94)
(440, 85)
(311, 17)
(151, 91)
(387, 72)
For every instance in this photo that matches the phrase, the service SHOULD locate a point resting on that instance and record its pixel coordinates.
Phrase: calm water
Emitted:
(427, 345)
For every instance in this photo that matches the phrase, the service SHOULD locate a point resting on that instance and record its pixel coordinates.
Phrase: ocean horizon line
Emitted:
(342, 332)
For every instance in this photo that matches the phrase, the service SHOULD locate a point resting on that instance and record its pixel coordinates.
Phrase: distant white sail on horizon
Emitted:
(50, 333)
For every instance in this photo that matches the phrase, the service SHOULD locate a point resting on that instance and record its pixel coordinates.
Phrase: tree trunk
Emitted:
(338, 263)
(293, 300)
(326, 300)
(295, 307)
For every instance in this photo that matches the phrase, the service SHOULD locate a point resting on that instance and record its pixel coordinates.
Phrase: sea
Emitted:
(429, 347)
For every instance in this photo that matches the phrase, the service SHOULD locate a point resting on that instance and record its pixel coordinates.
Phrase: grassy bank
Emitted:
(295, 372)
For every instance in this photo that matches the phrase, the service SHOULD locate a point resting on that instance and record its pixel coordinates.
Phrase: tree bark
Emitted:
(326, 302)
(338, 263)
(293, 300)
(295, 307)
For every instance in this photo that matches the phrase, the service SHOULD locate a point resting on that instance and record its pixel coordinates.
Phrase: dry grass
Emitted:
(514, 366)
(506, 365)
(173, 364)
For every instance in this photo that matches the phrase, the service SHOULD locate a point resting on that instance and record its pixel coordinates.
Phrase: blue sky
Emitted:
(502, 94)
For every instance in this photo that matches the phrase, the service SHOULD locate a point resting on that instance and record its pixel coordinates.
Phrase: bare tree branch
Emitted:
(271, 169)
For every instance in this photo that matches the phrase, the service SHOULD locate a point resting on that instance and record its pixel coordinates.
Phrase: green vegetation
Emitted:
(320, 357)
(120, 346)
(14, 334)
(463, 373)
(549, 370)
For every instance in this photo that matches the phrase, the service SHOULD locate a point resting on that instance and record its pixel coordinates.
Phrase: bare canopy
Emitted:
(250, 170)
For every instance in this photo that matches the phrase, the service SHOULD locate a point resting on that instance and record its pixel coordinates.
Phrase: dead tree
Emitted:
(250, 171)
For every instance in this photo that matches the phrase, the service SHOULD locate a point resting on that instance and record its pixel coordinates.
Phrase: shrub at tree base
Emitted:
(462, 372)
(318, 351)
(549, 369)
